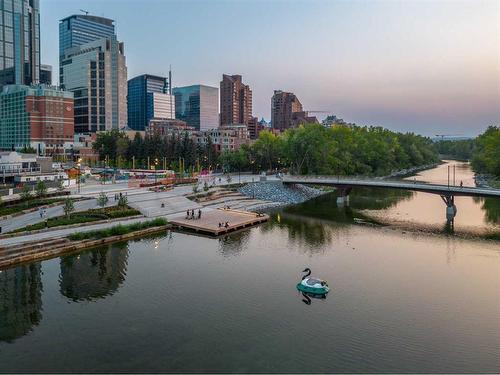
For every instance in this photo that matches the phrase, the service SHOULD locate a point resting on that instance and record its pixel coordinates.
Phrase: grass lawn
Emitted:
(117, 230)
(113, 212)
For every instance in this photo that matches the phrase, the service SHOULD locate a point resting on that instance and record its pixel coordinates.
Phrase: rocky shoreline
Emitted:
(278, 194)
(409, 171)
(484, 181)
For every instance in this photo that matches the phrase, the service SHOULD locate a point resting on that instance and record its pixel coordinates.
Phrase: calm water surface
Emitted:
(401, 300)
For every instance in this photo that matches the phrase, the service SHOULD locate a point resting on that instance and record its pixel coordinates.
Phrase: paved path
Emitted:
(30, 218)
(148, 202)
(64, 232)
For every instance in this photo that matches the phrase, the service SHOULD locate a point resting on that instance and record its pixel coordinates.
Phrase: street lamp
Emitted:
(156, 164)
(78, 175)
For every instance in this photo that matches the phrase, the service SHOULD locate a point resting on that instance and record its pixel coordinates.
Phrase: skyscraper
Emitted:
(198, 106)
(93, 67)
(79, 29)
(148, 98)
(235, 101)
(283, 105)
(19, 42)
(46, 74)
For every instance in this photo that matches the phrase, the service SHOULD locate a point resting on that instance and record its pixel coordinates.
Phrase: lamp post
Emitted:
(156, 165)
(78, 175)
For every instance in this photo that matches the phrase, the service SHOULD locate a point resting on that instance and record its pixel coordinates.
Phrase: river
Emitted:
(407, 295)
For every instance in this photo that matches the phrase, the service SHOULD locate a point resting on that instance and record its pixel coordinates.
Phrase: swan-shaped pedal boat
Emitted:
(312, 285)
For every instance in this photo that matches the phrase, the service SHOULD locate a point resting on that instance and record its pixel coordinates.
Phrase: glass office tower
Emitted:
(19, 42)
(198, 106)
(92, 65)
(79, 29)
(96, 73)
(148, 98)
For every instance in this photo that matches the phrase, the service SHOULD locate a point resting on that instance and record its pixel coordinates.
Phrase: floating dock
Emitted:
(209, 221)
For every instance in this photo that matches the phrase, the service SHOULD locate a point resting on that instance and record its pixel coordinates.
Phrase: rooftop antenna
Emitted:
(170, 79)
(170, 90)
(84, 11)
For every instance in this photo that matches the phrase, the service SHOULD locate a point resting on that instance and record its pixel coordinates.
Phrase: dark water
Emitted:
(401, 301)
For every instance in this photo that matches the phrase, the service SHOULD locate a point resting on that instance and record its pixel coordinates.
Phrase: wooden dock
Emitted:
(209, 221)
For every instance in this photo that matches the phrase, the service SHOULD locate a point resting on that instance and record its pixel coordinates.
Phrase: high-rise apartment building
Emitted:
(35, 116)
(283, 106)
(198, 106)
(235, 101)
(148, 98)
(19, 42)
(93, 67)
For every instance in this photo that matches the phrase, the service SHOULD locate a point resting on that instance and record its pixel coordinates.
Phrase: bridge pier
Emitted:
(343, 197)
(451, 209)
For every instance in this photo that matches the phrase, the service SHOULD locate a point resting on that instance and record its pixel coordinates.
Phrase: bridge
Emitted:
(446, 192)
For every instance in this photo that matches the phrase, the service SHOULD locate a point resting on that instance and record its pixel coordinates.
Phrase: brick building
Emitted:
(38, 116)
(224, 138)
(283, 106)
(235, 101)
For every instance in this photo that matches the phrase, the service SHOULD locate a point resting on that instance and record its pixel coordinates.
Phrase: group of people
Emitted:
(118, 196)
(191, 216)
(42, 212)
(224, 225)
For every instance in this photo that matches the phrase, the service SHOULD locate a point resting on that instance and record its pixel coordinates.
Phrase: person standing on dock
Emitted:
(199, 213)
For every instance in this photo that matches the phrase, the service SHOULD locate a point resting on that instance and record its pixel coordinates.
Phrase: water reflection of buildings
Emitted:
(94, 274)
(20, 301)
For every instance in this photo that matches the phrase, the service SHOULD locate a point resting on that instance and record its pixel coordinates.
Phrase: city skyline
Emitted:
(409, 66)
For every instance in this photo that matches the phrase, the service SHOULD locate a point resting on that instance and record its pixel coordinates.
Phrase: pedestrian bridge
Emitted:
(345, 184)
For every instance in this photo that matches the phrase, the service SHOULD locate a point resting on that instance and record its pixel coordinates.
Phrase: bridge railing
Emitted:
(378, 181)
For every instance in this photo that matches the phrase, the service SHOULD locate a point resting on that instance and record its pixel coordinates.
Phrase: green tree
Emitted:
(68, 207)
(122, 201)
(267, 149)
(102, 200)
(486, 153)
(41, 189)
(25, 193)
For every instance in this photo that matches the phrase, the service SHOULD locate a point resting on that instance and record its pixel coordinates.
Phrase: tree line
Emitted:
(460, 149)
(115, 149)
(308, 149)
(482, 151)
(340, 150)
(486, 152)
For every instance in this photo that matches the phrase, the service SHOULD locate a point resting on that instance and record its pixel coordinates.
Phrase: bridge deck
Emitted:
(418, 186)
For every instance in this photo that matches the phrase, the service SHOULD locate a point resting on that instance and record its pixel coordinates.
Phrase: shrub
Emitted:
(117, 230)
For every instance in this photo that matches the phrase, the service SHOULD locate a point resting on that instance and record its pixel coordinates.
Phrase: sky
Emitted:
(431, 67)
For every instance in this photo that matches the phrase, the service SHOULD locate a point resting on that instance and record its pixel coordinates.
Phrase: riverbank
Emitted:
(50, 248)
(486, 181)
(411, 171)
(275, 194)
